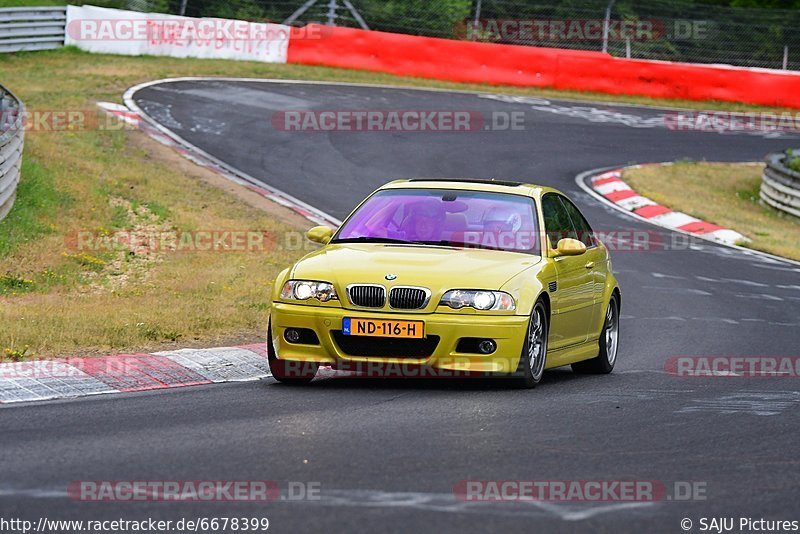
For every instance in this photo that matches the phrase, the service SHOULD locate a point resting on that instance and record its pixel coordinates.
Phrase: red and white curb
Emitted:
(39, 380)
(610, 186)
(135, 118)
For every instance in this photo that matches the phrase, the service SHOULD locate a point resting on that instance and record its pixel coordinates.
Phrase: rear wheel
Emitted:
(288, 372)
(534, 351)
(604, 362)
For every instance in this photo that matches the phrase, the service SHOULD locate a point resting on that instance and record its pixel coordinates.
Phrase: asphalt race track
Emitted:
(387, 454)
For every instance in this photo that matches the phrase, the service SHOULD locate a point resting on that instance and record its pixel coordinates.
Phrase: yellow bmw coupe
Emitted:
(442, 277)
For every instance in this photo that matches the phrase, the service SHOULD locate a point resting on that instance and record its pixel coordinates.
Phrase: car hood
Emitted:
(437, 268)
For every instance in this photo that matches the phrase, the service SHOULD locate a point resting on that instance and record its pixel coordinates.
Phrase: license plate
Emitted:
(382, 328)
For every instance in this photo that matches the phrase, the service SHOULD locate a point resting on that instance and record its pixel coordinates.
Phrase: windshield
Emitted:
(444, 217)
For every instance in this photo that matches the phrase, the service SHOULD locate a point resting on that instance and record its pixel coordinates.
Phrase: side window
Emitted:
(585, 233)
(557, 223)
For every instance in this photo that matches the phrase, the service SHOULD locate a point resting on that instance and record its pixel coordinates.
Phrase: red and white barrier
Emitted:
(466, 61)
(115, 31)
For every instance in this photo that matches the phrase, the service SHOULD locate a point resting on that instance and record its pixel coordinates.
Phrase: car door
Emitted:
(572, 303)
(596, 262)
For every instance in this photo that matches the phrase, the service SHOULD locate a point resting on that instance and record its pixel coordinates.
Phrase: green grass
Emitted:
(162, 212)
(11, 283)
(36, 209)
(793, 160)
(119, 218)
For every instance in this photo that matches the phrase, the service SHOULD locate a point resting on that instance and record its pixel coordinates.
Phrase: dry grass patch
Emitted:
(59, 299)
(94, 299)
(721, 193)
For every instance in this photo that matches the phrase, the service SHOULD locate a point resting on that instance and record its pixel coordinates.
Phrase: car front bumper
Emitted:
(507, 331)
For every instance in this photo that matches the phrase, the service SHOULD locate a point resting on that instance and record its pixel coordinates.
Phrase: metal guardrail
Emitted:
(12, 134)
(780, 185)
(32, 28)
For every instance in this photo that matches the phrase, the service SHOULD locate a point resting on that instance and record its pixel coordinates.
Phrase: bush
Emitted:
(793, 159)
(416, 16)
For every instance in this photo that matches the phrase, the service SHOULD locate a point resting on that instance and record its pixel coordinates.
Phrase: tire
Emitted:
(605, 360)
(533, 359)
(294, 374)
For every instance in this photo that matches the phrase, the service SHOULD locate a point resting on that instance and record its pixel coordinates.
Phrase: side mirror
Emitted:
(570, 247)
(321, 234)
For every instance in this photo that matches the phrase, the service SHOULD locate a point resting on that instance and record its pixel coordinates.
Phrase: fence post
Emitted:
(628, 47)
(477, 12)
(356, 15)
(299, 11)
(786, 57)
(332, 13)
(606, 23)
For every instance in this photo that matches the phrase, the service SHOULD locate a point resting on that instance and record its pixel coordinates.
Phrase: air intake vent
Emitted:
(553, 286)
(367, 296)
(385, 347)
(408, 298)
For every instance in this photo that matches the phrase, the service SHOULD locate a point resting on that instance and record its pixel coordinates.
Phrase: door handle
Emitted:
(589, 265)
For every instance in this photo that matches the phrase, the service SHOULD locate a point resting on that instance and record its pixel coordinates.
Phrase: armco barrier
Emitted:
(32, 28)
(464, 61)
(11, 142)
(780, 186)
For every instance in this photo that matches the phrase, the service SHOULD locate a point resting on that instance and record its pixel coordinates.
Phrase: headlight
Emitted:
(307, 289)
(480, 300)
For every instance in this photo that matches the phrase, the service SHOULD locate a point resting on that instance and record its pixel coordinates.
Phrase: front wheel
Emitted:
(288, 372)
(604, 362)
(534, 351)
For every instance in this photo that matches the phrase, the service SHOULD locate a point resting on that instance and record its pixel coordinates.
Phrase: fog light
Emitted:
(291, 335)
(487, 346)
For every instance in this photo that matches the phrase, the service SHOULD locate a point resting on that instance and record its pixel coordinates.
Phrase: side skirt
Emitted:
(572, 354)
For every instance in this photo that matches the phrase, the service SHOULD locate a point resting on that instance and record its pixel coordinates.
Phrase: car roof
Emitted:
(469, 184)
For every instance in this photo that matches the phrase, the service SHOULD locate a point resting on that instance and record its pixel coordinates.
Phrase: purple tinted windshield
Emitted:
(475, 219)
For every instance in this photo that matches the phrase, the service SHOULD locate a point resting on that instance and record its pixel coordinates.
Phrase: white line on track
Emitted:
(688, 290)
(437, 502)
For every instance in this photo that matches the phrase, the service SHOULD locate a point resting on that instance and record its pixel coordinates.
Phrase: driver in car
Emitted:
(424, 222)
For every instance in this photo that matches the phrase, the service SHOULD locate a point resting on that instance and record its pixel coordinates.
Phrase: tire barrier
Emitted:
(12, 136)
(780, 185)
